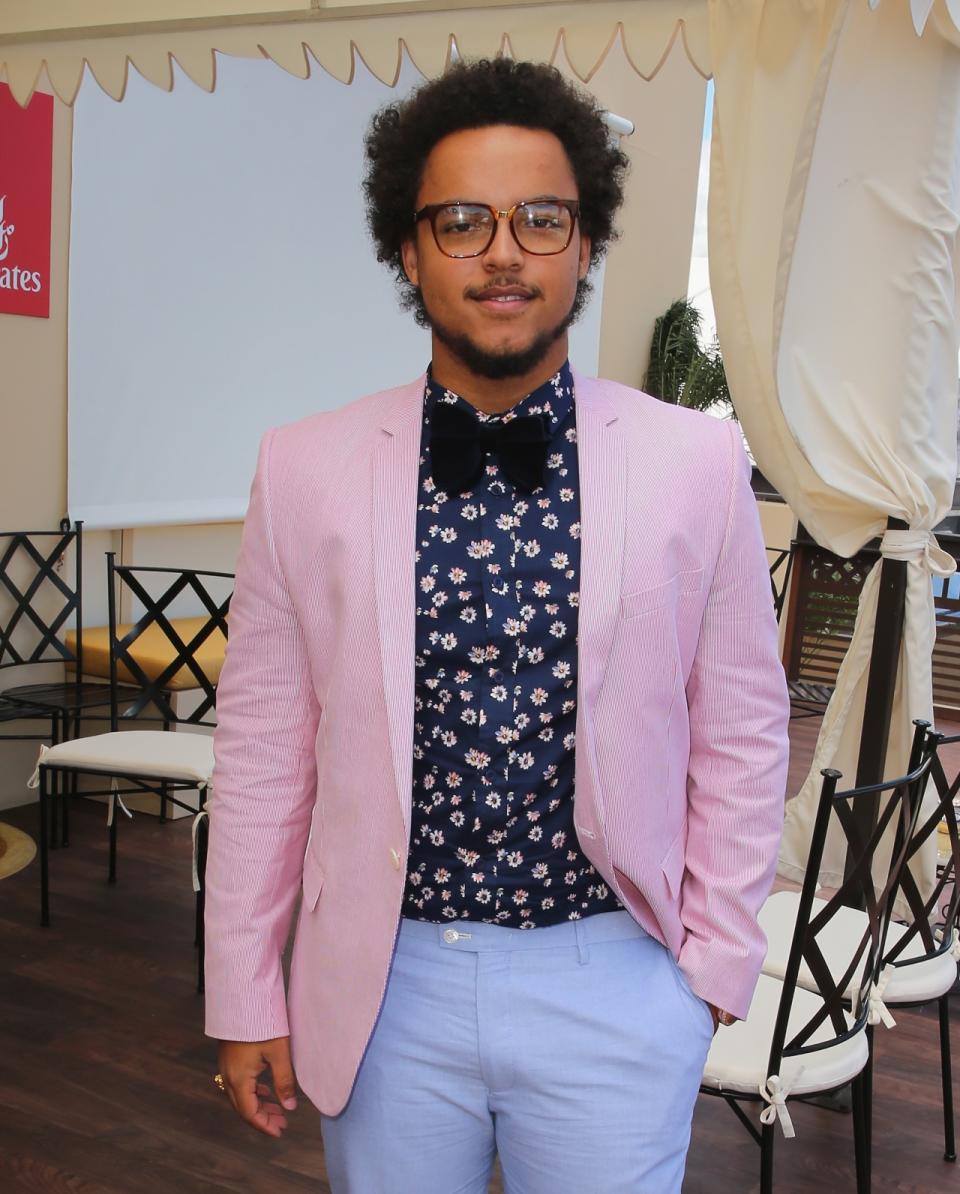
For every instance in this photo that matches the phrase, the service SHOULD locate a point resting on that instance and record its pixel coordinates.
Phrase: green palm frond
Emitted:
(681, 369)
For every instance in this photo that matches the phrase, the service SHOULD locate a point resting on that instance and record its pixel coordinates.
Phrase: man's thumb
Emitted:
(284, 1084)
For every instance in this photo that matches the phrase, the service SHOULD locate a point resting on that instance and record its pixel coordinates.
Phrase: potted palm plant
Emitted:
(681, 369)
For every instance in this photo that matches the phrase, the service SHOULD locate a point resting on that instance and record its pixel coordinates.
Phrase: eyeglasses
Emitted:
(540, 226)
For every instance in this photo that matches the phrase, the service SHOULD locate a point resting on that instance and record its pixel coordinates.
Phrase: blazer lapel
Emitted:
(603, 488)
(395, 479)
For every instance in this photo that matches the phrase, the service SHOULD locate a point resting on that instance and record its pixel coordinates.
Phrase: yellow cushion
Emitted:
(153, 652)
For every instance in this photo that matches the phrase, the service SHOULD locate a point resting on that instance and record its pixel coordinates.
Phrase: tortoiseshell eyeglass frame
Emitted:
(430, 211)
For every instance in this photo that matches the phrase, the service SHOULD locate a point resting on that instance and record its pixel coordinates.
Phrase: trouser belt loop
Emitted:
(582, 950)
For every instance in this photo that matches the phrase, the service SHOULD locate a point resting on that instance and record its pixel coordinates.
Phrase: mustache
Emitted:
(502, 283)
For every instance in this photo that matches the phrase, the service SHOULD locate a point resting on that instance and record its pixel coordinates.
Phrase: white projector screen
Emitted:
(222, 281)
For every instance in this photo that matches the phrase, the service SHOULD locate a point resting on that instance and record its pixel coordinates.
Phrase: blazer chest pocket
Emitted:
(642, 601)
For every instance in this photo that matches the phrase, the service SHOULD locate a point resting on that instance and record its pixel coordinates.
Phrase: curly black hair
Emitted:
(474, 95)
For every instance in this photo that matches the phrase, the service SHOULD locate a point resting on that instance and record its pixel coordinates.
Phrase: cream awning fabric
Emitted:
(34, 45)
(833, 225)
(834, 211)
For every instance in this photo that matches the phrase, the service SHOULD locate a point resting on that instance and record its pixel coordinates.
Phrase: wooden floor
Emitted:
(105, 1081)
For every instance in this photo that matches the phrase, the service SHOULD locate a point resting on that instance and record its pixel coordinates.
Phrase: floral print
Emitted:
(497, 573)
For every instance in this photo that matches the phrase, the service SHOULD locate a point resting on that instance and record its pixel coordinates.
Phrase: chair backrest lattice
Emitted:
(39, 600)
(881, 846)
(155, 590)
(780, 561)
(933, 916)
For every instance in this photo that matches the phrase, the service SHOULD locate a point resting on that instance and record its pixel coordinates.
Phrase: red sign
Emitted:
(26, 173)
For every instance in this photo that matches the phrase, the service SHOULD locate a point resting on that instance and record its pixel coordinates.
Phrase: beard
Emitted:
(498, 365)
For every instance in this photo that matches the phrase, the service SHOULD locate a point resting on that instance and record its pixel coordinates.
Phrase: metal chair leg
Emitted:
(164, 787)
(946, 1075)
(55, 803)
(72, 785)
(867, 1076)
(860, 1146)
(112, 877)
(766, 1159)
(44, 846)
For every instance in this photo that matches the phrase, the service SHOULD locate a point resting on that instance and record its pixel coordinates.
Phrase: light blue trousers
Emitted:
(574, 1051)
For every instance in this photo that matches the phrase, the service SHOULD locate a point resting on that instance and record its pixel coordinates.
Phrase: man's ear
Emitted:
(411, 265)
(584, 264)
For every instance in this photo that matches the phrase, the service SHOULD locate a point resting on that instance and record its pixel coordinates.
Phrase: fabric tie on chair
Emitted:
(879, 1012)
(775, 1091)
(114, 797)
(34, 780)
(193, 832)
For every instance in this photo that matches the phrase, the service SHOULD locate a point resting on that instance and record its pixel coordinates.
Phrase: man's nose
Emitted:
(503, 251)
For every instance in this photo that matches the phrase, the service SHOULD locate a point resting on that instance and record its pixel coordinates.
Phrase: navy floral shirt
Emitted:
(492, 836)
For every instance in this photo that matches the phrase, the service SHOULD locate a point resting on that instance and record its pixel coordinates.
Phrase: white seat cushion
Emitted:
(739, 1056)
(920, 982)
(915, 983)
(152, 753)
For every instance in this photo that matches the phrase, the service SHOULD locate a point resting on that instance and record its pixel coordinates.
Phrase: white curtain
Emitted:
(835, 193)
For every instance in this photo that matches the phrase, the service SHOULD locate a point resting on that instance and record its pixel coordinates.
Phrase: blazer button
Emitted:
(396, 859)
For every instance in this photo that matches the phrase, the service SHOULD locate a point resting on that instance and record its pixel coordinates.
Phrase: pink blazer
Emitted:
(681, 744)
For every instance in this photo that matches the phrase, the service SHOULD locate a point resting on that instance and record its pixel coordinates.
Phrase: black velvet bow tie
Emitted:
(459, 444)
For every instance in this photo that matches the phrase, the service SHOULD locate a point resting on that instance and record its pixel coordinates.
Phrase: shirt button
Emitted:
(450, 935)
(396, 859)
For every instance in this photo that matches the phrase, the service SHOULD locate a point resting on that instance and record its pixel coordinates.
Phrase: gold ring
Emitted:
(218, 1079)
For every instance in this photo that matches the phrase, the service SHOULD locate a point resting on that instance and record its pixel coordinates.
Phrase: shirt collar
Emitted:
(554, 398)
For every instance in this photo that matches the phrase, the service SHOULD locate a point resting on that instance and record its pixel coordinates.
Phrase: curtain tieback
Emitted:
(918, 547)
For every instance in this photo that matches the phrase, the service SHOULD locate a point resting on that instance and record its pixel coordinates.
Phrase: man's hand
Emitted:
(241, 1064)
(720, 1016)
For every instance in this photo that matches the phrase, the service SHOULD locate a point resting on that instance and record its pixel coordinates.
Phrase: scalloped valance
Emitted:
(51, 42)
(333, 36)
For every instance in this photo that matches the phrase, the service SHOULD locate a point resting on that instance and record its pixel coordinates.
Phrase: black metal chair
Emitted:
(40, 601)
(920, 958)
(166, 764)
(37, 602)
(803, 1036)
(920, 965)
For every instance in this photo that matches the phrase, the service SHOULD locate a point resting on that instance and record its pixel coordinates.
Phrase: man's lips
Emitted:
(503, 298)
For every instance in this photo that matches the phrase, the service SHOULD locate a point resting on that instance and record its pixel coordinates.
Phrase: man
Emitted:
(502, 693)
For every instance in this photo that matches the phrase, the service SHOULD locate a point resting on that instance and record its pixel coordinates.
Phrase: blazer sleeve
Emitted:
(264, 787)
(738, 710)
